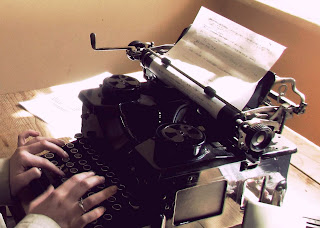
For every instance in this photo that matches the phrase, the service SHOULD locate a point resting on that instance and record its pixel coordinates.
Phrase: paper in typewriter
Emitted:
(222, 54)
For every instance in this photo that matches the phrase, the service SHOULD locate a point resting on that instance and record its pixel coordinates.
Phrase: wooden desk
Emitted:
(303, 190)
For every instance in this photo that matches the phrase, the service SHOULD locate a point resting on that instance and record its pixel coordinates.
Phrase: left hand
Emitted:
(25, 164)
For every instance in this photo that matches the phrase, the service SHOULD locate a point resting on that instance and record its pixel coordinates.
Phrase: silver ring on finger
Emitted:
(80, 202)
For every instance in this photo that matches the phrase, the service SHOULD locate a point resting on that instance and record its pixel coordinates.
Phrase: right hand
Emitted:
(62, 204)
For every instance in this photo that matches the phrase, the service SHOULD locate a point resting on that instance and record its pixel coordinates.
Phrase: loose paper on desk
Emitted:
(62, 109)
(220, 53)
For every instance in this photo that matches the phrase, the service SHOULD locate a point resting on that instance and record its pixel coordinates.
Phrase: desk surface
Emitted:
(303, 190)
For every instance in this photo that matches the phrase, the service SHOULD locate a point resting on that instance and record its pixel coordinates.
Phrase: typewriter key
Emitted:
(125, 194)
(98, 226)
(116, 207)
(134, 204)
(86, 146)
(99, 163)
(70, 145)
(101, 186)
(107, 217)
(64, 179)
(74, 150)
(86, 167)
(73, 170)
(78, 135)
(110, 174)
(112, 199)
(54, 162)
(95, 157)
(91, 151)
(65, 159)
(82, 162)
(49, 155)
(82, 141)
(70, 164)
(105, 168)
(115, 180)
(78, 156)
(121, 187)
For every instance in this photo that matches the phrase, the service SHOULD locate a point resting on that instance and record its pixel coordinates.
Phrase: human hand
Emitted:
(62, 204)
(24, 163)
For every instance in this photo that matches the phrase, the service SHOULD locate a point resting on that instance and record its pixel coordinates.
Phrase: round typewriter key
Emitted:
(121, 187)
(101, 186)
(91, 151)
(98, 226)
(70, 145)
(70, 164)
(78, 135)
(94, 222)
(112, 199)
(74, 150)
(107, 217)
(99, 163)
(105, 168)
(65, 159)
(49, 155)
(115, 180)
(73, 170)
(54, 162)
(125, 194)
(134, 204)
(116, 207)
(110, 174)
(82, 162)
(86, 146)
(86, 167)
(64, 179)
(78, 156)
(95, 157)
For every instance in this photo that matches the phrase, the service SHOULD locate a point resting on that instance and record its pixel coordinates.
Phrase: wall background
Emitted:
(46, 43)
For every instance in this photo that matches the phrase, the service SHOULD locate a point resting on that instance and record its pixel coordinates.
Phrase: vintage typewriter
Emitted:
(172, 161)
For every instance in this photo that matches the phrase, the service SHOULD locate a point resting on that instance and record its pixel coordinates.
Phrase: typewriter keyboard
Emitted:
(122, 209)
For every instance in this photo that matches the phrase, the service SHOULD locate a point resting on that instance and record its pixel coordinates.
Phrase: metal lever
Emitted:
(93, 45)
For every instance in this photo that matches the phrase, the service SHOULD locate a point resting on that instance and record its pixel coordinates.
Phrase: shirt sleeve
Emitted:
(37, 221)
(5, 195)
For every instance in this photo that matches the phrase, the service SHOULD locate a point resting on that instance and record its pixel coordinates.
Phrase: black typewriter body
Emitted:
(165, 154)
(172, 161)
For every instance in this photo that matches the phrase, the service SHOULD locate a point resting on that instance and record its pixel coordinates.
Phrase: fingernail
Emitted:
(103, 209)
(114, 188)
(66, 154)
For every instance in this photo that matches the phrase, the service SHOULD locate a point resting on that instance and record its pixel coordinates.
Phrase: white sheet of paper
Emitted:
(220, 53)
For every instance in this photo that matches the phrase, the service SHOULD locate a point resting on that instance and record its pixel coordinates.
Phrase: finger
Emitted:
(40, 198)
(74, 181)
(24, 135)
(31, 160)
(99, 197)
(82, 187)
(26, 177)
(90, 217)
(42, 145)
(39, 138)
